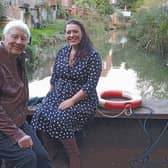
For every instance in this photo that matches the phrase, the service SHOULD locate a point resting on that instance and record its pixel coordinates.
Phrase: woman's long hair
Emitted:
(85, 44)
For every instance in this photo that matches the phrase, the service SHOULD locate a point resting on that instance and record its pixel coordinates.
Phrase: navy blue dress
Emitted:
(67, 80)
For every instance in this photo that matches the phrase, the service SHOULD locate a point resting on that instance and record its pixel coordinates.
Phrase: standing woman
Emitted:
(72, 100)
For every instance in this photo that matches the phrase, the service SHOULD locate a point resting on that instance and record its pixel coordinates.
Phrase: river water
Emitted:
(124, 68)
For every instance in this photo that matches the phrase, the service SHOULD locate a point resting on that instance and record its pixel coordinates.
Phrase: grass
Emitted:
(49, 30)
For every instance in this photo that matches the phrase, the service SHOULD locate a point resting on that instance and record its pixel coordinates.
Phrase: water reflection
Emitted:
(107, 64)
(124, 68)
(117, 77)
(152, 79)
(117, 37)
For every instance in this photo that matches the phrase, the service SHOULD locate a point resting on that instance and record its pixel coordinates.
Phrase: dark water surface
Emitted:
(124, 67)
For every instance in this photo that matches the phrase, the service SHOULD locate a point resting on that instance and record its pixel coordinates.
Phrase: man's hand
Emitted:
(25, 142)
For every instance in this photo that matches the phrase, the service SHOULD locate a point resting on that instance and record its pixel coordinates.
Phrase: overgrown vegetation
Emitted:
(1, 9)
(127, 3)
(51, 34)
(38, 35)
(149, 27)
(150, 3)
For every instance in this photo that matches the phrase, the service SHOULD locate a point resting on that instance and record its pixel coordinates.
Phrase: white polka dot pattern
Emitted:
(67, 81)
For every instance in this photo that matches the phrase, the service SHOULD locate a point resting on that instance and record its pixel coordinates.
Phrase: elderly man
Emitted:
(18, 143)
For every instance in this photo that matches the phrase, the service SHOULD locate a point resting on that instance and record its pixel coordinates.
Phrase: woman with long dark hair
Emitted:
(72, 100)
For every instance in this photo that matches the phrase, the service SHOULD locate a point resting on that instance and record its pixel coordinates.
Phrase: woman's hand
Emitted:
(66, 104)
(73, 100)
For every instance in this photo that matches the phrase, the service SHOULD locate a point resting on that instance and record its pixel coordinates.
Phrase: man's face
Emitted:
(15, 41)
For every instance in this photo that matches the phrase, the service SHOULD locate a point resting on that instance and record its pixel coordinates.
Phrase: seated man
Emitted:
(19, 144)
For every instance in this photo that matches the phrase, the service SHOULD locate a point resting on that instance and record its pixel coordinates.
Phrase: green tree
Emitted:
(149, 28)
(1, 9)
(104, 7)
(128, 3)
(85, 3)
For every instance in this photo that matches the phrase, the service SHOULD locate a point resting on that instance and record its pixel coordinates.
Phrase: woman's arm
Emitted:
(73, 100)
(79, 96)
(94, 69)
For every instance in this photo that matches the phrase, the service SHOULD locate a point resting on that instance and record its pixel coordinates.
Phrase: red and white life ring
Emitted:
(130, 100)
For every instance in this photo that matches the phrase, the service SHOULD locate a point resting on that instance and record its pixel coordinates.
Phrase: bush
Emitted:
(149, 29)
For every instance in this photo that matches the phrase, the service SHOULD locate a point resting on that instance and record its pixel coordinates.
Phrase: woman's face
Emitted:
(73, 34)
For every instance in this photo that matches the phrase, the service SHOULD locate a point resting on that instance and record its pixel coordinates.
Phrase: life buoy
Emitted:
(130, 100)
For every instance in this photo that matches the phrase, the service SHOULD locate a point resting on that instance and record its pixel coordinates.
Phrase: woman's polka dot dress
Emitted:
(67, 80)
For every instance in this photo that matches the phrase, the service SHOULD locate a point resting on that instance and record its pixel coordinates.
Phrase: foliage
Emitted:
(128, 3)
(38, 39)
(1, 9)
(104, 7)
(137, 5)
(146, 4)
(150, 3)
(32, 60)
(62, 13)
(85, 3)
(49, 30)
(149, 29)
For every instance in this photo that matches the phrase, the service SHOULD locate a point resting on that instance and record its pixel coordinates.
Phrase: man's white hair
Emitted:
(17, 24)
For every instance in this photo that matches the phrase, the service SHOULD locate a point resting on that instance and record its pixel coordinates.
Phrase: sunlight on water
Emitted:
(112, 78)
(39, 88)
(119, 78)
(123, 68)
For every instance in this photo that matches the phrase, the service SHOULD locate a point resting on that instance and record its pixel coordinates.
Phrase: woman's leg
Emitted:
(49, 144)
(73, 152)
